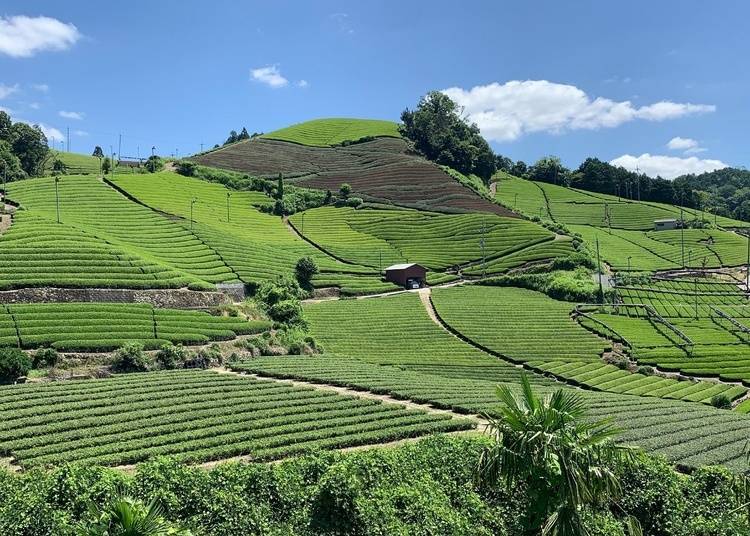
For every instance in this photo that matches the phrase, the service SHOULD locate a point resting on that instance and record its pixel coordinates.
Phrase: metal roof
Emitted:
(666, 220)
(401, 266)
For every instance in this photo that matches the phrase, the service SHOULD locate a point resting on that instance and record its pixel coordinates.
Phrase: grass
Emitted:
(334, 131)
(107, 326)
(194, 416)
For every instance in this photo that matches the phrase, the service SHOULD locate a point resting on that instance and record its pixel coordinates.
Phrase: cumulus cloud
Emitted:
(667, 167)
(78, 116)
(22, 36)
(687, 145)
(302, 83)
(505, 112)
(7, 91)
(51, 132)
(270, 75)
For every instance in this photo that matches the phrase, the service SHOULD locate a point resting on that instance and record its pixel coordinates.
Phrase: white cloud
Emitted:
(78, 116)
(34, 105)
(505, 112)
(7, 91)
(51, 133)
(302, 83)
(81, 133)
(667, 167)
(270, 75)
(687, 145)
(44, 88)
(22, 36)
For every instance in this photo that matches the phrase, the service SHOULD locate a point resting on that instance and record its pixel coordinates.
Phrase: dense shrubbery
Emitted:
(131, 358)
(421, 489)
(574, 286)
(14, 363)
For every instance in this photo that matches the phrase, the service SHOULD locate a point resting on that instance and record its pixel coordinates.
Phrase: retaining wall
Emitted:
(171, 298)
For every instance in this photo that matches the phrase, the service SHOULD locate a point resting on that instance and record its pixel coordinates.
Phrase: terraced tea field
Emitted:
(89, 206)
(334, 131)
(107, 326)
(686, 433)
(379, 238)
(194, 416)
(256, 246)
(381, 170)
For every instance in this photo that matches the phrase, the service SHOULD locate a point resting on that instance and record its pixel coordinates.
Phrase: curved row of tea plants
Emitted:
(194, 416)
(106, 326)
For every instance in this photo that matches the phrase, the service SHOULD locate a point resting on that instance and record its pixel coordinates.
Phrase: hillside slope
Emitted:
(381, 170)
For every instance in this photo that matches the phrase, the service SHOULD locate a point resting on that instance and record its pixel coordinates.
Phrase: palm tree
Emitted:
(125, 516)
(564, 460)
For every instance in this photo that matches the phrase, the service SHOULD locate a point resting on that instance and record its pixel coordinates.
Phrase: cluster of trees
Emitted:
(23, 149)
(725, 192)
(243, 135)
(442, 135)
(598, 176)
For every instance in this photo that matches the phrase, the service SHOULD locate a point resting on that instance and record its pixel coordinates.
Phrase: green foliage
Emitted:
(721, 401)
(171, 356)
(572, 286)
(442, 135)
(131, 358)
(59, 167)
(565, 462)
(345, 190)
(98, 152)
(27, 143)
(154, 164)
(106, 165)
(281, 299)
(45, 357)
(186, 168)
(14, 363)
(10, 165)
(304, 271)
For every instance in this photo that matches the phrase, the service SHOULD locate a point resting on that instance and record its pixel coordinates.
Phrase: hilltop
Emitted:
(328, 132)
(382, 168)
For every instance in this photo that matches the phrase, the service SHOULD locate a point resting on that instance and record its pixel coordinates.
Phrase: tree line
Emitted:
(23, 149)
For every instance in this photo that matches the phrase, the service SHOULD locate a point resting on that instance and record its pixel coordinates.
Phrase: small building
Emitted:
(407, 275)
(665, 225)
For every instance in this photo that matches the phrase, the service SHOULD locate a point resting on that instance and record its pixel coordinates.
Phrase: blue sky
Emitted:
(619, 81)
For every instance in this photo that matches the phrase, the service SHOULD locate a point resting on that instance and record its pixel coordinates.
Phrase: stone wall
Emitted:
(171, 298)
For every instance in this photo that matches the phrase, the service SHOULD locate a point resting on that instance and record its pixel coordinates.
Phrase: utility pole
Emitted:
(638, 173)
(119, 146)
(152, 150)
(682, 237)
(629, 257)
(193, 201)
(599, 272)
(229, 194)
(515, 201)
(57, 198)
(201, 146)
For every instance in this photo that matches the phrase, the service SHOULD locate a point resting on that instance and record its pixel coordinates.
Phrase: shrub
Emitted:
(721, 401)
(305, 269)
(14, 363)
(354, 202)
(205, 358)
(345, 189)
(170, 356)
(186, 168)
(154, 164)
(45, 357)
(286, 312)
(130, 358)
(646, 370)
(283, 288)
